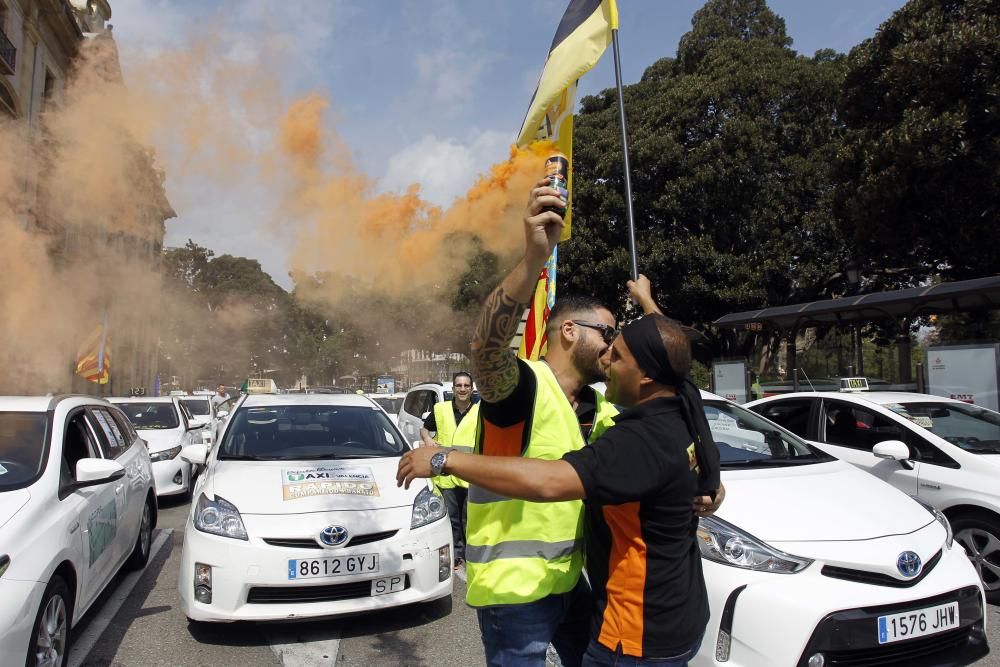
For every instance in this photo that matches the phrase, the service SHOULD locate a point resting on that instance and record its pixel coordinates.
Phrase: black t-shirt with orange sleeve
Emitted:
(642, 555)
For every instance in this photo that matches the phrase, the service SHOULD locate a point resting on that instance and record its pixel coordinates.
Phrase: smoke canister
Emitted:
(557, 171)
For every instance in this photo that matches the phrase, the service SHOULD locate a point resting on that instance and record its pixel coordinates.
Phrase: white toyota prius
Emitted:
(298, 515)
(812, 562)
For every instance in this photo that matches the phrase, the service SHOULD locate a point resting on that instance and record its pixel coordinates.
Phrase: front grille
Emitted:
(309, 543)
(327, 593)
(877, 578)
(903, 652)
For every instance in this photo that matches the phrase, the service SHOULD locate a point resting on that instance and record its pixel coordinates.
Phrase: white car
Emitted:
(76, 503)
(419, 402)
(167, 428)
(201, 407)
(298, 515)
(942, 451)
(812, 562)
(391, 403)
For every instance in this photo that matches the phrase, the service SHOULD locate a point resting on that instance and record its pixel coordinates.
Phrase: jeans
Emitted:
(456, 501)
(599, 655)
(518, 635)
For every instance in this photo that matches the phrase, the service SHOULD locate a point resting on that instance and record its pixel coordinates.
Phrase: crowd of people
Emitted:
(547, 478)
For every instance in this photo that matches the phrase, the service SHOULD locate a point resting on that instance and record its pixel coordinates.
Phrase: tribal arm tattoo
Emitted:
(494, 363)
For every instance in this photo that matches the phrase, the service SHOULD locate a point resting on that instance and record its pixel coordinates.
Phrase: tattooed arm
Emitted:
(494, 363)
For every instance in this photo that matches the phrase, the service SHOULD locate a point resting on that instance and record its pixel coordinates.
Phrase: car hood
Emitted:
(159, 439)
(11, 503)
(295, 487)
(825, 502)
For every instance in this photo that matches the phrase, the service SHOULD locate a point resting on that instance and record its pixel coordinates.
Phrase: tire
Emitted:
(49, 645)
(140, 551)
(979, 534)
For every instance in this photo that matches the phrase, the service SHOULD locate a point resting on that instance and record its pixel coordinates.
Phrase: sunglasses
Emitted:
(608, 333)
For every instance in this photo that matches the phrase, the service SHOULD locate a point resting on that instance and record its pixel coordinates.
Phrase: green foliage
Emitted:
(919, 170)
(730, 148)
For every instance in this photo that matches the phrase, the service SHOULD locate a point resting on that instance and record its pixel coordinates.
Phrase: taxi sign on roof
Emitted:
(853, 384)
(260, 386)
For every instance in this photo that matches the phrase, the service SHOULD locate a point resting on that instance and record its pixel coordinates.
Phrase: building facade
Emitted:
(41, 42)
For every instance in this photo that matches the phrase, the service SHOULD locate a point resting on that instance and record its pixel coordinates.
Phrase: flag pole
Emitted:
(628, 171)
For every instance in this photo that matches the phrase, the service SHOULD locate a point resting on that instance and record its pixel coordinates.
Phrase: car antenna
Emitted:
(811, 387)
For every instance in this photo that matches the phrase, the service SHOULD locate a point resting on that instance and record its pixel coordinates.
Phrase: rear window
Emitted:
(151, 415)
(197, 406)
(390, 405)
(23, 438)
(310, 432)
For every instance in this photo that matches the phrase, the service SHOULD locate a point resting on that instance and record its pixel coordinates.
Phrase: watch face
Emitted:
(437, 463)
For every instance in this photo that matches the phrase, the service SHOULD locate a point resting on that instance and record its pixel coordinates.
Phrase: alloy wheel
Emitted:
(52, 633)
(983, 549)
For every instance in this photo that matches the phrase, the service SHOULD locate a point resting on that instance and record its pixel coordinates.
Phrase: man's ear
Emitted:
(646, 381)
(569, 331)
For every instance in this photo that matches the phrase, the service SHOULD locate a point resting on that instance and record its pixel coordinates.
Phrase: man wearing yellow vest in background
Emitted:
(454, 423)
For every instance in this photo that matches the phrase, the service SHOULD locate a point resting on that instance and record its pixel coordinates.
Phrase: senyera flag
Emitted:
(583, 35)
(93, 358)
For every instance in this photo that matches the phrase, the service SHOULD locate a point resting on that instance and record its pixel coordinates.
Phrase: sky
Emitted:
(421, 91)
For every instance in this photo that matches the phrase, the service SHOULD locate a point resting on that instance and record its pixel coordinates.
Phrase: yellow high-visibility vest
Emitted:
(518, 551)
(462, 436)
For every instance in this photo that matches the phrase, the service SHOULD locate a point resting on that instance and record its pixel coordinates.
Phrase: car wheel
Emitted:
(140, 552)
(49, 646)
(980, 536)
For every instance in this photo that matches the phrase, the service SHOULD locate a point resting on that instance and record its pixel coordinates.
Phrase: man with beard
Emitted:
(524, 559)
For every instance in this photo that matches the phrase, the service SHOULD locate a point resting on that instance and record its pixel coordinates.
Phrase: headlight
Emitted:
(725, 543)
(219, 517)
(165, 455)
(941, 519)
(428, 507)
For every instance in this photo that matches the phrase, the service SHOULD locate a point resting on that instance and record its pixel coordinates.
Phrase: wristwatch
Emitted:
(438, 461)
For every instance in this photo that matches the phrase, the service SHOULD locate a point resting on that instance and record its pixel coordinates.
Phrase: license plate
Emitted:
(389, 585)
(917, 623)
(312, 568)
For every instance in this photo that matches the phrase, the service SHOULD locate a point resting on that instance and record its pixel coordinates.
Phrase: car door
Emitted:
(129, 493)
(96, 506)
(794, 414)
(411, 418)
(850, 431)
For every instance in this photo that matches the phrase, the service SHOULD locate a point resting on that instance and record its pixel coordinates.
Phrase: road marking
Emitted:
(300, 646)
(81, 648)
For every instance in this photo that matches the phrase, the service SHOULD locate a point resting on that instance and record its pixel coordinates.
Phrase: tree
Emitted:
(730, 148)
(919, 171)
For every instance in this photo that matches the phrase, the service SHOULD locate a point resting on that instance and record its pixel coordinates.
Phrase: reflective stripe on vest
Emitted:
(518, 551)
(460, 438)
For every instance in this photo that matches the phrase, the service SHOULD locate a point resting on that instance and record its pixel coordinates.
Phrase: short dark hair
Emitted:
(461, 374)
(569, 305)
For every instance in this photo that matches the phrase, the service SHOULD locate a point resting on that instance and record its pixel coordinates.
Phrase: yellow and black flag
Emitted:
(581, 38)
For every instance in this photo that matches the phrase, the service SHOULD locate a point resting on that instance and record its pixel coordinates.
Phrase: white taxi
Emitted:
(298, 515)
(167, 427)
(812, 562)
(76, 503)
(943, 451)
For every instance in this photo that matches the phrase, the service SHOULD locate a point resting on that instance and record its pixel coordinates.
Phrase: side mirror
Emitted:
(417, 444)
(195, 424)
(196, 454)
(894, 450)
(426, 415)
(222, 413)
(91, 472)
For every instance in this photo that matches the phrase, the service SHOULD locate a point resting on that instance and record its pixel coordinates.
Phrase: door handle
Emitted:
(118, 489)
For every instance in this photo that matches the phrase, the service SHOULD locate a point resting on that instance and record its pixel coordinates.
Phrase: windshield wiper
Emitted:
(244, 457)
(982, 450)
(775, 463)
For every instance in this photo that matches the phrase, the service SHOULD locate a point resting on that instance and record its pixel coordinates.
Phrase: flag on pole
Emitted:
(93, 358)
(581, 38)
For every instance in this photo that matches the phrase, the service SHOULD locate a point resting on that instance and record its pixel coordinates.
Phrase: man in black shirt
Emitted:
(638, 480)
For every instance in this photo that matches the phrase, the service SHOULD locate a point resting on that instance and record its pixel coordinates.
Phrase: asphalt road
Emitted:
(138, 623)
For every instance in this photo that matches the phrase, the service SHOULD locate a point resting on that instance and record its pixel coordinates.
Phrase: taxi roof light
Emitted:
(853, 384)
(261, 386)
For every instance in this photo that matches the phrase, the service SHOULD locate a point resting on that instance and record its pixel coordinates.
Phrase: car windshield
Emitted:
(972, 428)
(22, 447)
(390, 405)
(310, 432)
(747, 440)
(198, 406)
(151, 415)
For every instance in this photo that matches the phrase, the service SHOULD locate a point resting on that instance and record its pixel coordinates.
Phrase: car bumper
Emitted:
(165, 476)
(783, 619)
(19, 606)
(250, 578)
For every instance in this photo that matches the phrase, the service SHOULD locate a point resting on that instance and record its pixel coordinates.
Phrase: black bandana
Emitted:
(644, 341)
